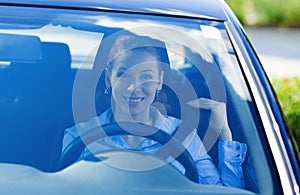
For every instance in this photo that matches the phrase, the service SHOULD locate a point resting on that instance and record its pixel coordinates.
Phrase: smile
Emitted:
(135, 100)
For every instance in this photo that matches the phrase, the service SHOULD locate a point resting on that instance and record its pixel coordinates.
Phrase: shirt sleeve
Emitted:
(69, 135)
(207, 171)
(231, 157)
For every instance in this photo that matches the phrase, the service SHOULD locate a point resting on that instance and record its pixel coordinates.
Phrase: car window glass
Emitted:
(65, 84)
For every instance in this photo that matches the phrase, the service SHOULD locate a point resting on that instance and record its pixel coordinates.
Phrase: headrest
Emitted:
(19, 48)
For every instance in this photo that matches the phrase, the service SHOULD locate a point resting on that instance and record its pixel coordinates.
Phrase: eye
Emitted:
(122, 74)
(147, 76)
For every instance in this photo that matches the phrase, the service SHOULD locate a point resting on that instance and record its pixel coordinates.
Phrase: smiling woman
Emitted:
(134, 75)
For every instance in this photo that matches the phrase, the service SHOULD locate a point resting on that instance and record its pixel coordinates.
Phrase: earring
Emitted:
(107, 90)
(157, 94)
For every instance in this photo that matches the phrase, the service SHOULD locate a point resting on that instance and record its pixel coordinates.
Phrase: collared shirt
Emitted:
(231, 153)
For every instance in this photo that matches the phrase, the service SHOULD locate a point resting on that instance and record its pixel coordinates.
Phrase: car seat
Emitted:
(39, 105)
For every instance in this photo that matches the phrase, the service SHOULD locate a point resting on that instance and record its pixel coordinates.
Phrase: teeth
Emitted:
(135, 100)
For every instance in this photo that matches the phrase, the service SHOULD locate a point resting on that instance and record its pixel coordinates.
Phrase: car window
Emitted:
(52, 76)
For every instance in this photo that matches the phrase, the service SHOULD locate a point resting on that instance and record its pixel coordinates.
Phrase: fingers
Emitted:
(218, 122)
(205, 103)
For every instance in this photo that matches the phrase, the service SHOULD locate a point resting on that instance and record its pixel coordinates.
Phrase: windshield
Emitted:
(65, 72)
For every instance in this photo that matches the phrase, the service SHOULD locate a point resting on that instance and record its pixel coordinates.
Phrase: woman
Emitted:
(134, 75)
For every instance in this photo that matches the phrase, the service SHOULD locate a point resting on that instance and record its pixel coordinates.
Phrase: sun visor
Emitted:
(20, 48)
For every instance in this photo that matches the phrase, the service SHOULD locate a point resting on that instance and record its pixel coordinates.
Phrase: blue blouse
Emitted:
(231, 153)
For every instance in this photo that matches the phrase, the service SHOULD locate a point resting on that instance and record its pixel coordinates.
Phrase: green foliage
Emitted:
(282, 13)
(288, 93)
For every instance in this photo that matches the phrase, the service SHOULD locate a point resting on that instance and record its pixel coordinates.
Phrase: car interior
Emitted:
(36, 99)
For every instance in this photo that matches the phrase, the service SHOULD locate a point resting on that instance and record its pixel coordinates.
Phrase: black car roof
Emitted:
(188, 8)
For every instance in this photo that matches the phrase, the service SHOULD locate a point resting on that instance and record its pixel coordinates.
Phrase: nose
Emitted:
(134, 86)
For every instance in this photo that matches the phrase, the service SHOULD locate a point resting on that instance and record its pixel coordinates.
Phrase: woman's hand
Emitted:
(218, 121)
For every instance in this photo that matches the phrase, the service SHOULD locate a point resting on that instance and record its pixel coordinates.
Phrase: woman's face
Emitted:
(134, 78)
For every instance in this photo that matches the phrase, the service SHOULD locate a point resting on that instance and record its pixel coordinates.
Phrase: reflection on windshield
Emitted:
(83, 44)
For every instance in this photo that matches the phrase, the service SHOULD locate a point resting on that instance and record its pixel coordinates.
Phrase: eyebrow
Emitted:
(126, 69)
(122, 69)
(148, 70)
